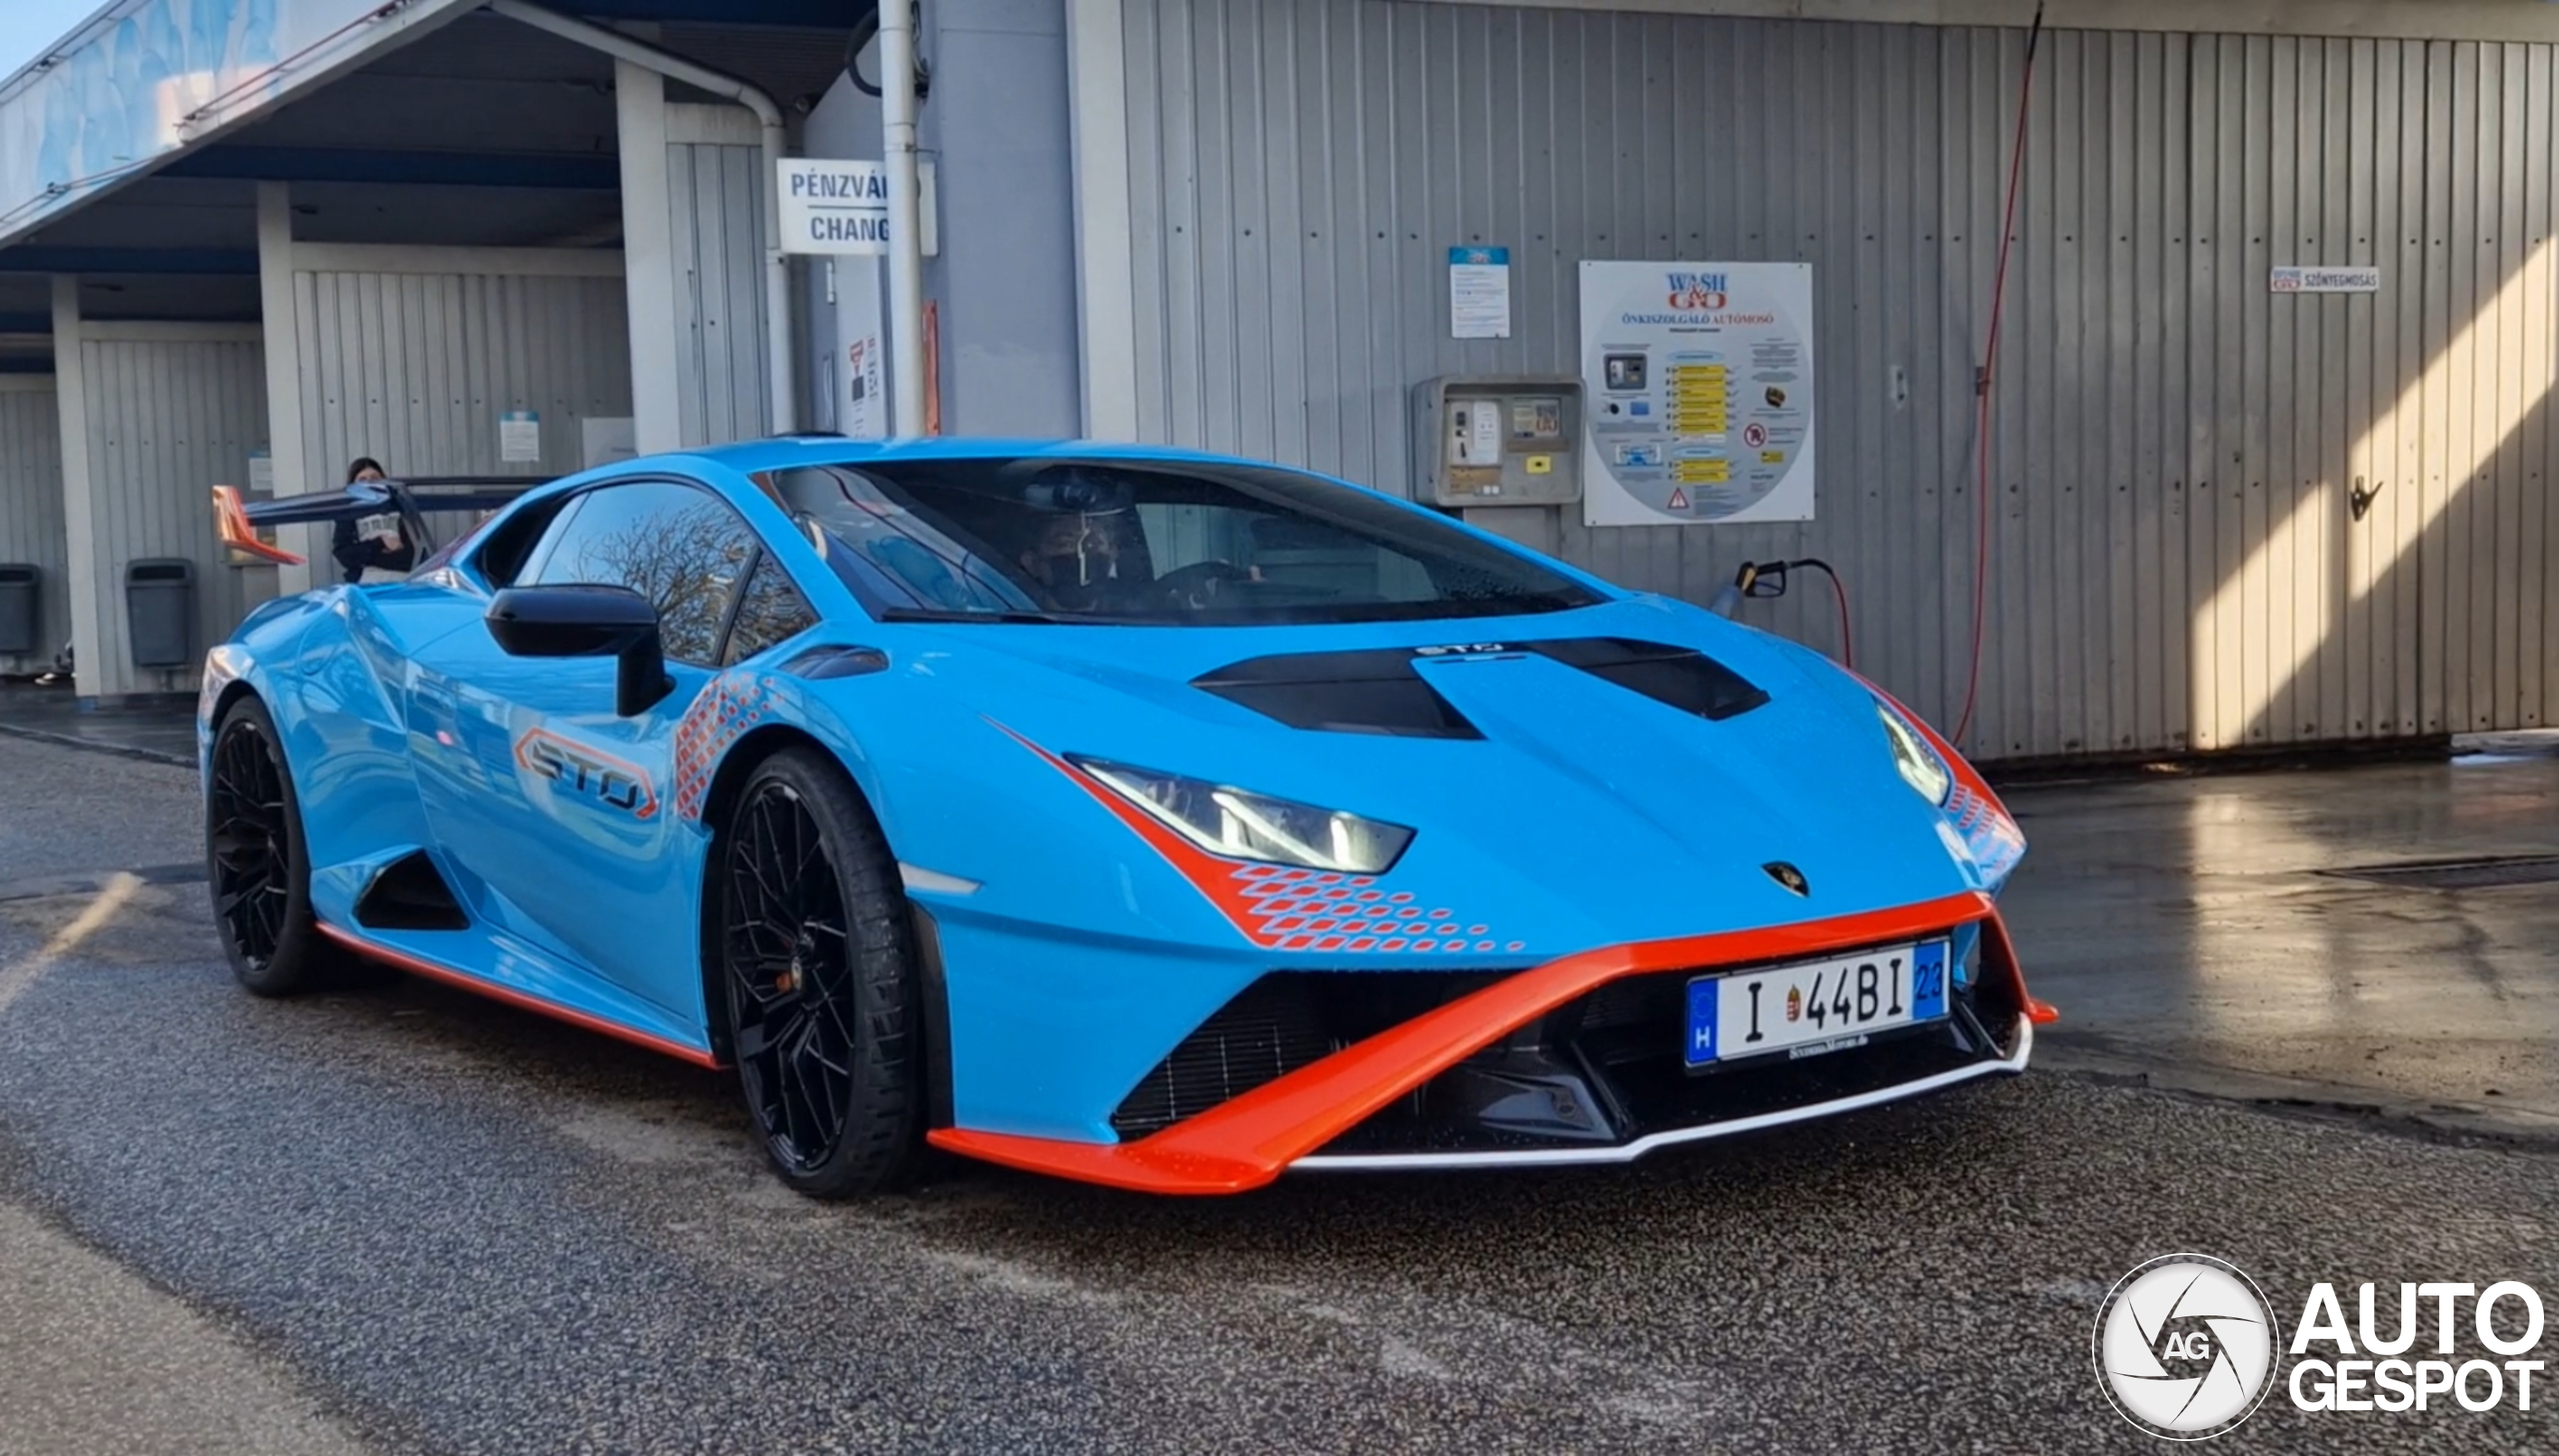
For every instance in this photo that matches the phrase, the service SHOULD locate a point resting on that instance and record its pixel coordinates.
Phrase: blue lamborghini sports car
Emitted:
(1134, 815)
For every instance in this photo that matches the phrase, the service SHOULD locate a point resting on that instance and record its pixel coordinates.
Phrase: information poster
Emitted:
(866, 416)
(1479, 293)
(518, 436)
(1698, 383)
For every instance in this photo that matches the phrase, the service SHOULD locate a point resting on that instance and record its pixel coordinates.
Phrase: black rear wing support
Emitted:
(238, 522)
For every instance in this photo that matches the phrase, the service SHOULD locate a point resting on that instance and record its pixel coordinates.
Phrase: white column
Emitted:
(906, 235)
(1106, 303)
(282, 337)
(647, 257)
(91, 655)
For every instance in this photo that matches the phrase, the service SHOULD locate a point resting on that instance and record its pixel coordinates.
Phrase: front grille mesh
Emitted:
(1266, 1033)
(1280, 1022)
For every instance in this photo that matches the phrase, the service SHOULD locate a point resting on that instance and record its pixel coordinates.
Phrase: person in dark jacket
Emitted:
(376, 542)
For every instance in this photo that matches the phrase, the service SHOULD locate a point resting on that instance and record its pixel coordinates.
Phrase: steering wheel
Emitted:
(1198, 585)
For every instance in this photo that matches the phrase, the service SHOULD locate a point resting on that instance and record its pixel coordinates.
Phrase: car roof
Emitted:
(784, 453)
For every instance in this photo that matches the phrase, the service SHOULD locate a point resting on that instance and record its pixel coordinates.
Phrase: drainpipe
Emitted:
(777, 265)
(905, 216)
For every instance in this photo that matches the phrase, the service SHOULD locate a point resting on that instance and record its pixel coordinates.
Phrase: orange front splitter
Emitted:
(1249, 1140)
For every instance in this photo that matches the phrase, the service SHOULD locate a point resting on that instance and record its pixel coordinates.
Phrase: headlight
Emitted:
(1240, 824)
(1920, 766)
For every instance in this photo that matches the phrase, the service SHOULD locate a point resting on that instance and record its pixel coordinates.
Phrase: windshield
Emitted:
(1040, 538)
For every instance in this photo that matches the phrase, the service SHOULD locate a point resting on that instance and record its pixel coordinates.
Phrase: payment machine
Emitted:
(1482, 441)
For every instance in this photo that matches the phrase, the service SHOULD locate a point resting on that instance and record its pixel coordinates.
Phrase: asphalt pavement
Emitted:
(157, 726)
(405, 1219)
(2293, 934)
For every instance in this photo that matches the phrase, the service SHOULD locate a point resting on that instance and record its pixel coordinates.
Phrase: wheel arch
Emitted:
(727, 783)
(229, 697)
(735, 767)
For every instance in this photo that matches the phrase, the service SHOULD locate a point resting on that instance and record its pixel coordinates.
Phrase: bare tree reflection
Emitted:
(772, 610)
(685, 560)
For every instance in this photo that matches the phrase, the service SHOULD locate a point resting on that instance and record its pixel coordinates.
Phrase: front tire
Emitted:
(258, 864)
(818, 973)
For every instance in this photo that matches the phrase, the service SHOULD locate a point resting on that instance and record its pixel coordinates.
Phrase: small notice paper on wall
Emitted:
(518, 436)
(2327, 280)
(1478, 292)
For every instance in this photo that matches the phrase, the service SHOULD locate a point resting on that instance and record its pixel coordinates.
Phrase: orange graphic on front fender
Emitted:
(1279, 908)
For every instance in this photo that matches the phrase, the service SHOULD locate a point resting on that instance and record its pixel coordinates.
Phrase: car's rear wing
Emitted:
(237, 521)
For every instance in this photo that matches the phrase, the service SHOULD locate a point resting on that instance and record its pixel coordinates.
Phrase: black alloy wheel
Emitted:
(818, 968)
(256, 862)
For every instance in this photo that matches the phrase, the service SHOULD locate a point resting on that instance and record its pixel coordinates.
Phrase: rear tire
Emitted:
(258, 864)
(818, 976)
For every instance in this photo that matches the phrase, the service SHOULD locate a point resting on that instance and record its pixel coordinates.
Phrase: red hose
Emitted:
(1847, 639)
(1982, 387)
(1838, 593)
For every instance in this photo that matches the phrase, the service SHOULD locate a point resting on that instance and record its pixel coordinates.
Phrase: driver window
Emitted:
(677, 545)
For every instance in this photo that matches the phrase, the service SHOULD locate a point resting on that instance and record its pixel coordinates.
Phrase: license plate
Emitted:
(1815, 1005)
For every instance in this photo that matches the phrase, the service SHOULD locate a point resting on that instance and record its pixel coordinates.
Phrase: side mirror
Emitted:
(587, 621)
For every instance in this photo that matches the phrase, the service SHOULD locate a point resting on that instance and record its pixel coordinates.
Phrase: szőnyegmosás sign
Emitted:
(2325, 280)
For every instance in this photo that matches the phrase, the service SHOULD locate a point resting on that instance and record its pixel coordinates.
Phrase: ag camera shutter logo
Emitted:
(2185, 1346)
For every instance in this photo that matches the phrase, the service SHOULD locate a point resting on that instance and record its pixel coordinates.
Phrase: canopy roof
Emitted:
(129, 153)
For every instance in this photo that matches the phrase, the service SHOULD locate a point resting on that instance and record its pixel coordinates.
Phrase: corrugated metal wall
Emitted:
(31, 530)
(715, 202)
(415, 368)
(167, 419)
(2174, 561)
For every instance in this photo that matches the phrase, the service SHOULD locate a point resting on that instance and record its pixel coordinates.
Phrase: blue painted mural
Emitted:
(138, 82)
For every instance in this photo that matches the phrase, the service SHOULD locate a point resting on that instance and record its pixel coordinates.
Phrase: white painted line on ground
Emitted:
(16, 979)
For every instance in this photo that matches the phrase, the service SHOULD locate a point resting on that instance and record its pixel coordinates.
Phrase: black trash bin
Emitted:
(160, 609)
(20, 606)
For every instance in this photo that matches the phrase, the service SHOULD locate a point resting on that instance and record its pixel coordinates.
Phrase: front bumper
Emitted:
(1364, 1105)
(1626, 1153)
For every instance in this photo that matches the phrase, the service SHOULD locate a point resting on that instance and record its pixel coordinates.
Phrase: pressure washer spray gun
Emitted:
(1769, 578)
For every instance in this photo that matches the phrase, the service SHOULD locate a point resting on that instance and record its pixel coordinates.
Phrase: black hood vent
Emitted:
(1345, 693)
(1380, 692)
(1684, 678)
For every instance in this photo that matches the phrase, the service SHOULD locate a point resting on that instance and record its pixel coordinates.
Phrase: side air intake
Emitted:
(410, 894)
